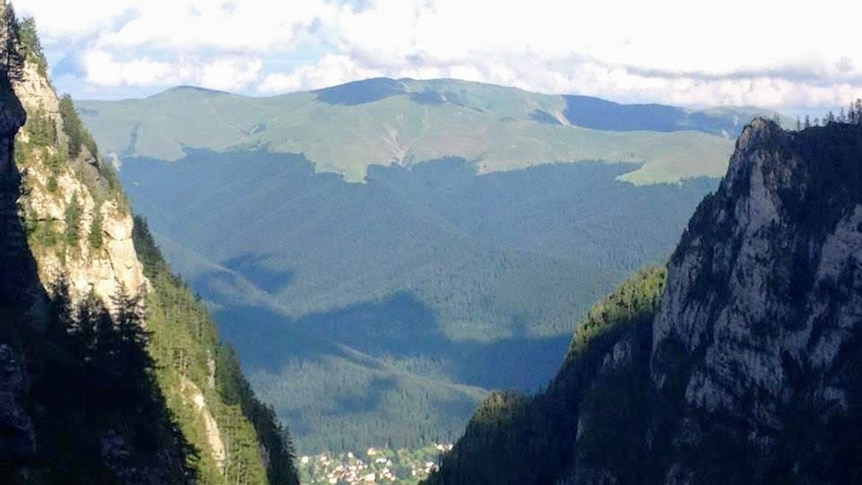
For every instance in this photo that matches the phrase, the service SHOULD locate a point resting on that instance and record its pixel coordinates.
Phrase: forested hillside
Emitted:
(424, 240)
(426, 285)
(112, 371)
(518, 439)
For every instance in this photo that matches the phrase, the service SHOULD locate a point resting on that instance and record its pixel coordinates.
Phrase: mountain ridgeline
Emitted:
(345, 129)
(745, 368)
(111, 372)
(397, 248)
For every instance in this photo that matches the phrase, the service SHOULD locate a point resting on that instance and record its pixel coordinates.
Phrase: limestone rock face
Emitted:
(749, 371)
(96, 255)
(764, 296)
(35, 92)
(81, 401)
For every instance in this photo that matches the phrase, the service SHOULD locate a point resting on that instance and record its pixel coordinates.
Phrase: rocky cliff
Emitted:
(20, 292)
(80, 226)
(750, 370)
(758, 326)
(105, 376)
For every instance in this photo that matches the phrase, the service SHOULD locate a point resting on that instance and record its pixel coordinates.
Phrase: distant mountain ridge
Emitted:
(486, 222)
(584, 111)
(404, 121)
(382, 311)
(600, 114)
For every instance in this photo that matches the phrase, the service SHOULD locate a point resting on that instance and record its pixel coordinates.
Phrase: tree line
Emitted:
(852, 115)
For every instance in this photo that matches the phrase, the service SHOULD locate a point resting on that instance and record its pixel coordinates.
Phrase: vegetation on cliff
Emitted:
(185, 346)
(516, 439)
(129, 387)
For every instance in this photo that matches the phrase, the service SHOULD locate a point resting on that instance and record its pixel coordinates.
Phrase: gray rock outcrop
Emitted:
(764, 303)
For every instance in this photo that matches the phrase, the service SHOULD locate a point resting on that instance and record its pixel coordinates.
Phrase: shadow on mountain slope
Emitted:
(359, 366)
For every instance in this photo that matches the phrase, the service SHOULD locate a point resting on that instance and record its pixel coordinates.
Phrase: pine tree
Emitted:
(10, 57)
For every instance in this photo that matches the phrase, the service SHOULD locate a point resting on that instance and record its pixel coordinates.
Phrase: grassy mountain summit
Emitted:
(346, 128)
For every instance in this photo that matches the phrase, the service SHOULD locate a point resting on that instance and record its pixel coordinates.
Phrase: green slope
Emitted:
(446, 282)
(518, 439)
(347, 128)
(430, 282)
(136, 393)
(186, 349)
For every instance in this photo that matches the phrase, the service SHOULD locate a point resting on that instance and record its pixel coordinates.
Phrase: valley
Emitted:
(432, 301)
(380, 313)
(332, 243)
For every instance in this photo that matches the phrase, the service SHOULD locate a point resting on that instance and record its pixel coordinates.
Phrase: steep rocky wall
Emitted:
(751, 369)
(16, 264)
(763, 306)
(82, 400)
(20, 290)
(106, 269)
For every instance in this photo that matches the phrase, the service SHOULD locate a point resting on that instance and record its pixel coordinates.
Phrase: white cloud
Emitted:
(61, 21)
(329, 71)
(732, 52)
(245, 26)
(103, 70)
(229, 73)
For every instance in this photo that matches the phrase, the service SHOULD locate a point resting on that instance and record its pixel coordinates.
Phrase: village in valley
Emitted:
(374, 466)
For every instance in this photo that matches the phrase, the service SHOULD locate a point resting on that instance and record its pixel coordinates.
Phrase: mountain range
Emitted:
(344, 129)
(426, 240)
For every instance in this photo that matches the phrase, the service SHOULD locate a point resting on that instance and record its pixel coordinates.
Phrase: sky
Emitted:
(736, 52)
